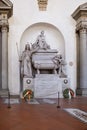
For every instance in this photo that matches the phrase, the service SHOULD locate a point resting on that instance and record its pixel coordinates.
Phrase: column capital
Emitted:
(83, 30)
(81, 27)
(4, 28)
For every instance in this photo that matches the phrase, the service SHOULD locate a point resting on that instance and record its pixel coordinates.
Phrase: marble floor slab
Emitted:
(79, 114)
(12, 101)
(32, 101)
(49, 101)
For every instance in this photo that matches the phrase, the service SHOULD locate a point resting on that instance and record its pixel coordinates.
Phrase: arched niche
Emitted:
(53, 36)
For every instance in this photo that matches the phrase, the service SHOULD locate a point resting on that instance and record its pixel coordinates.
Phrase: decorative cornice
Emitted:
(8, 3)
(80, 15)
(80, 11)
(6, 7)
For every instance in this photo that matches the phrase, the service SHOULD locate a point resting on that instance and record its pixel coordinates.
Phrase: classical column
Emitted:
(80, 15)
(4, 57)
(0, 60)
(83, 60)
(78, 59)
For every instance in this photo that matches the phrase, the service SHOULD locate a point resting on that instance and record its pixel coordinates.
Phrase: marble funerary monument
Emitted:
(41, 69)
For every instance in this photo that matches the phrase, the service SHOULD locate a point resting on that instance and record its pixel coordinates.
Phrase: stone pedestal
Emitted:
(48, 86)
(28, 83)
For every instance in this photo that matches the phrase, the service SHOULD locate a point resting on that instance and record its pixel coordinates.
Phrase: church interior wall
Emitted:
(26, 14)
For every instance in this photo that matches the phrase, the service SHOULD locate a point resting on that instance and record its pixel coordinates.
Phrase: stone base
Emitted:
(28, 83)
(4, 93)
(48, 86)
(81, 91)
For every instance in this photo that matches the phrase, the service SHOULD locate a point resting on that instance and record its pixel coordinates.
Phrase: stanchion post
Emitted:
(58, 106)
(9, 105)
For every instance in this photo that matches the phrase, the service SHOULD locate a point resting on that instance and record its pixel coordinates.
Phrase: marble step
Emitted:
(3, 93)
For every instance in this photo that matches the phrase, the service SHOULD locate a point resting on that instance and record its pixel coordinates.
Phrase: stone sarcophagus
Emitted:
(42, 60)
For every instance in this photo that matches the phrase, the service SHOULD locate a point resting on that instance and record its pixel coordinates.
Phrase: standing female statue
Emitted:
(26, 62)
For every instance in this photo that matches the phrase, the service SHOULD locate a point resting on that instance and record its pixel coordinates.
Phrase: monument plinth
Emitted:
(47, 86)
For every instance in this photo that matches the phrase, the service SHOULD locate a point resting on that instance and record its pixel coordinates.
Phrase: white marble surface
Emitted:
(12, 101)
(81, 115)
(28, 83)
(47, 86)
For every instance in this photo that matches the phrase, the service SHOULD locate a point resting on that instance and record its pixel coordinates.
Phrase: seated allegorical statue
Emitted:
(58, 60)
(41, 42)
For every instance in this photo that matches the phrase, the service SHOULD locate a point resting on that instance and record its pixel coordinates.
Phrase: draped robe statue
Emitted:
(26, 62)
